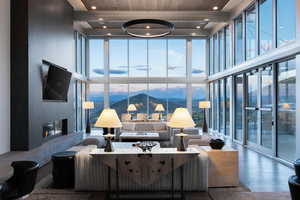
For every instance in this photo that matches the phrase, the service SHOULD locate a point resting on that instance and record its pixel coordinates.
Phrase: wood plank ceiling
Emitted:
(189, 16)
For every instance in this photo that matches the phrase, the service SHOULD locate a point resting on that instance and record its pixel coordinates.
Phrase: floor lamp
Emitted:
(204, 105)
(88, 105)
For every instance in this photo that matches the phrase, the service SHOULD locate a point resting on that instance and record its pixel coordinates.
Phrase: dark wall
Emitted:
(49, 37)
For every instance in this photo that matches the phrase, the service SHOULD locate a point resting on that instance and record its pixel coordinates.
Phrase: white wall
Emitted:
(4, 76)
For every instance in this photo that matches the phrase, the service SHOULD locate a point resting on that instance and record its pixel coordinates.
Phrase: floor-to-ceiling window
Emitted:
(96, 58)
(251, 32)
(265, 25)
(286, 21)
(238, 108)
(286, 117)
(266, 85)
(199, 94)
(177, 58)
(216, 106)
(198, 57)
(228, 47)
(157, 58)
(227, 82)
(222, 107)
(147, 72)
(216, 53)
(238, 32)
(222, 50)
(96, 95)
(118, 59)
(252, 106)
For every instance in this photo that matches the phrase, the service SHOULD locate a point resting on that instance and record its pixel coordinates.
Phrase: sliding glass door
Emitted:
(259, 109)
(286, 106)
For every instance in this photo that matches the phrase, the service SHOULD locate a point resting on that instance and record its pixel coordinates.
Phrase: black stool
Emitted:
(294, 182)
(63, 170)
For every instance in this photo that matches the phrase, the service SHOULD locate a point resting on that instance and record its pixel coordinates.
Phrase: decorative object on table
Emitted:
(160, 109)
(181, 119)
(294, 182)
(146, 145)
(216, 143)
(88, 105)
(204, 105)
(162, 28)
(63, 170)
(108, 119)
(22, 182)
(131, 110)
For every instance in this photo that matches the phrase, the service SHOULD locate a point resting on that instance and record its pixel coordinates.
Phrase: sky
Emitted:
(157, 57)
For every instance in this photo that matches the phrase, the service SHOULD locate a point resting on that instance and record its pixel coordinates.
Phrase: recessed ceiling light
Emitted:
(148, 34)
(215, 8)
(147, 27)
(206, 20)
(109, 34)
(198, 27)
(104, 27)
(93, 7)
(193, 34)
(100, 19)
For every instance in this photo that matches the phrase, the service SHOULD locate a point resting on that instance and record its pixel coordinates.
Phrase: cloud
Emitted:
(170, 67)
(197, 71)
(112, 71)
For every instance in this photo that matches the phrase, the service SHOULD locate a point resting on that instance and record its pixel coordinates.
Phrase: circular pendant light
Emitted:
(148, 28)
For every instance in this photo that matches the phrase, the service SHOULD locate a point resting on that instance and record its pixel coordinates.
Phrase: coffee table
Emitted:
(135, 136)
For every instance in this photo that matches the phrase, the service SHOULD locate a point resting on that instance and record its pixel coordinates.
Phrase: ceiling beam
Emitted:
(120, 32)
(213, 16)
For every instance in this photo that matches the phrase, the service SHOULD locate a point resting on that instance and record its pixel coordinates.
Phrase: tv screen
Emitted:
(57, 84)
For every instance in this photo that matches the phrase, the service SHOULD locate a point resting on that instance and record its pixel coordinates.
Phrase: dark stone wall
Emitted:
(47, 35)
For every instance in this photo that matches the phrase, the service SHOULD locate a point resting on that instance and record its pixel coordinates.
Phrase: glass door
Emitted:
(266, 114)
(259, 108)
(251, 109)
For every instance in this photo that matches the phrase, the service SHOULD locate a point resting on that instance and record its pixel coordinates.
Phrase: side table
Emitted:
(223, 167)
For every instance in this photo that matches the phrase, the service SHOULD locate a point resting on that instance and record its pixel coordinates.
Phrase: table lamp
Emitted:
(131, 109)
(160, 109)
(88, 105)
(108, 119)
(181, 119)
(204, 105)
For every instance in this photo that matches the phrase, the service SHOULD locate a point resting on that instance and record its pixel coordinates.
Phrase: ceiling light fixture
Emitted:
(133, 28)
(215, 8)
(100, 19)
(109, 34)
(193, 34)
(198, 27)
(206, 20)
(93, 7)
(104, 27)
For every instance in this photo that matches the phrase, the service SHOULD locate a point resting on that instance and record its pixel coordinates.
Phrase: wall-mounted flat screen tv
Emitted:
(57, 84)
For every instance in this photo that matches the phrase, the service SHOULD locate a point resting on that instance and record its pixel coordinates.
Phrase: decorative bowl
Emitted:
(216, 143)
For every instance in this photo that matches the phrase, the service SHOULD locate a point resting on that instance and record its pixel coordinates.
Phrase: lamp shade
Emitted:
(181, 118)
(108, 119)
(88, 105)
(159, 108)
(204, 104)
(131, 108)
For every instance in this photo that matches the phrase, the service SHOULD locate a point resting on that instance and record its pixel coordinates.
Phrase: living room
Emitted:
(161, 99)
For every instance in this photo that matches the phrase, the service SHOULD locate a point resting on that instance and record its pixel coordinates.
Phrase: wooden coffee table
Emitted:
(134, 136)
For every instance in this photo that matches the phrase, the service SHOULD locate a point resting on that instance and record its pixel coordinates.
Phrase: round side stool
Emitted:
(63, 170)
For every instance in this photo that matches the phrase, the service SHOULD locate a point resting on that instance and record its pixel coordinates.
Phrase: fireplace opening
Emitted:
(55, 128)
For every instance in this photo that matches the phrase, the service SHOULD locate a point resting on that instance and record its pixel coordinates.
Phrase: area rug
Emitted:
(250, 196)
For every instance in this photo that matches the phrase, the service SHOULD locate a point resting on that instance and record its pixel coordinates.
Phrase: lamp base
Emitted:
(181, 146)
(108, 146)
